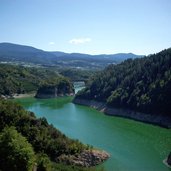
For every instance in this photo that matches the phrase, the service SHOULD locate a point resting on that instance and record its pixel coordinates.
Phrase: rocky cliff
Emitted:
(52, 91)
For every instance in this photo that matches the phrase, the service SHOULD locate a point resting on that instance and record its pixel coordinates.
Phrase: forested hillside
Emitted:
(27, 142)
(77, 74)
(18, 80)
(140, 84)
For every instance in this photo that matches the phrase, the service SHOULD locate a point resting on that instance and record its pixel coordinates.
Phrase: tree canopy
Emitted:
(26, 141)
(141, 84)
(18, 79)
(15, 152)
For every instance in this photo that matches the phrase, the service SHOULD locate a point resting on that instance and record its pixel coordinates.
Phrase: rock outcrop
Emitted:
(169, 159)
(160, 120)
(52, 91)
(87, 158)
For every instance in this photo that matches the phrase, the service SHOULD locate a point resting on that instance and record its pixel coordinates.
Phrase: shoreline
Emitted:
(42, 96)
(87, 158)
(158, 120)
(17, 96)
(165, 163)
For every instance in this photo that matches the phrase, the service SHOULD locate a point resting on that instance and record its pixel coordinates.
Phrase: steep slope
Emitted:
(61, 87)
(142, 85)
(48, 143)
(20, 80)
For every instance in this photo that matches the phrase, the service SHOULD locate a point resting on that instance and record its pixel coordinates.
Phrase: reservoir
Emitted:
(133, 146)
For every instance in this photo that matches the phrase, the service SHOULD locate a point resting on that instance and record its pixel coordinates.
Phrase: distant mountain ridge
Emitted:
(15, 53)
(19, 53)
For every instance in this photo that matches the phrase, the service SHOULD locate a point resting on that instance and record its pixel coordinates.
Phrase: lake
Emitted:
(133, 146)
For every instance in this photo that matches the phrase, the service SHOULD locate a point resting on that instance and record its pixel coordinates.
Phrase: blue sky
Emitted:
(88, 26)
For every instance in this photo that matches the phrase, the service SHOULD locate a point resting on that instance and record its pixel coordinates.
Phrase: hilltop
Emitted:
(30, 56)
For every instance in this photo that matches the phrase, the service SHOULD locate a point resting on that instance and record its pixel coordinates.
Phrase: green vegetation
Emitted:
(18, 80)
(52, 89)
(15, 152)
(43, 137)
(27, 142)
(61, 167)
(77, 74)
(30, 56)
(141, 84)
(43, 163)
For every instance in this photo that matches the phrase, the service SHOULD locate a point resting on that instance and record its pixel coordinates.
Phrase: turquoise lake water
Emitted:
(133, 146)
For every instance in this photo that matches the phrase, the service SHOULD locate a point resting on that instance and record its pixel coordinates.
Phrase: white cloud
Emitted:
(79, 40)
(51, 43)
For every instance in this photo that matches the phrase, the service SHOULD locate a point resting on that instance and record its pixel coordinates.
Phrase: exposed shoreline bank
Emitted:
(165, 163)
(126, 113)
(45, 96)
(17, 96)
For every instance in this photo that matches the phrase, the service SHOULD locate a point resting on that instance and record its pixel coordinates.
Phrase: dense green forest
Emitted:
(140, 84)
(26, 140)
(77, 74)
(18, 79)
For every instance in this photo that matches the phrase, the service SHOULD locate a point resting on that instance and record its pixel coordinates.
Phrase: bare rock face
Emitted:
(169, 159)
(87, 158)
(45, 92)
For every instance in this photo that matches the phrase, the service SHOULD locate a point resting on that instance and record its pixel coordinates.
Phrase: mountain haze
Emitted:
(20, 54)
